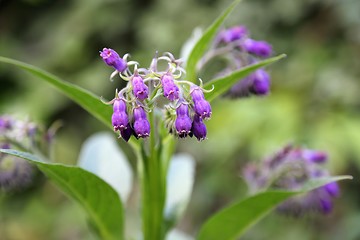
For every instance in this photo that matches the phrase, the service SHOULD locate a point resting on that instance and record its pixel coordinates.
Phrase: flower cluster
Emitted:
(290, 169)
(235, 45)
(16, 173)
(186, 107)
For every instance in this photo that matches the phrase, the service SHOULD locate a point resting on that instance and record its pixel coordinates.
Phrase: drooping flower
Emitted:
(183, 121)
(140, 89)
(170, 89)
(119, 117)
(141, 124)
(201, 106)
(259, 48)
(198, 128)
(113, 59)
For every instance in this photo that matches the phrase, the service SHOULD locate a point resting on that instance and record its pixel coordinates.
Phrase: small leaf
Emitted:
(101, 155)
(202, 45)
(233, 221)
(223, 84)
(180, 180)
(100, 201)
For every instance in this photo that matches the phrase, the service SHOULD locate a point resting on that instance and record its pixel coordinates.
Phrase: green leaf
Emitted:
(233, 221)
(202, 45)
(86, 99)
(101, 202)
(89, 101)
(223, 84)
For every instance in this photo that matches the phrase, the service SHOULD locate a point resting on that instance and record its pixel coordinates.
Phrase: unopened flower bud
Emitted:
(183, 120)
(171, 90)
(141, 124)
(140, 90)
(198, 128)
(113, 59)
(201, 106)
(259, 48)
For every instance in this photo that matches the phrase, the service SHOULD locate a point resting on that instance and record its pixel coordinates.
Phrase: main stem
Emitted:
(153, 188)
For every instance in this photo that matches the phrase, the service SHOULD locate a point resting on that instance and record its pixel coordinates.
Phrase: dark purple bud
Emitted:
(314, 156)
(183, 121)
(140, 90)
(113, 59)
(332, 189)
(261, 82)
(119, 117)
(201, 106)
(126, 133)
(141, 124)
(171, 90)
(259, 48)
(198, 128)
(233, 34)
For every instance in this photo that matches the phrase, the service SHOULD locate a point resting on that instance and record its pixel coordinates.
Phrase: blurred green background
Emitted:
(314, 101)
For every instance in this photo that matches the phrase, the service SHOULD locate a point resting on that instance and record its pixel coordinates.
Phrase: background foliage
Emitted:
(314, 99)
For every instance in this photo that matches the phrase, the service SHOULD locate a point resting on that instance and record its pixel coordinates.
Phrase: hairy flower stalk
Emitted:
(290, 169)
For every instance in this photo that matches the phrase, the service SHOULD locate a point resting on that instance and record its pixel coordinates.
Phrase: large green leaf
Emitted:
(234, 220)
(101, 202)
(89, 101)
(223, 84)
(202, 45)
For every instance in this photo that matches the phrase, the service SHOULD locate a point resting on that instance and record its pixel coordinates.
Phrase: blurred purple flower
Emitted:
(258, 83)
(233, 34)
(290, 169)
(259, 48)
(15, 173)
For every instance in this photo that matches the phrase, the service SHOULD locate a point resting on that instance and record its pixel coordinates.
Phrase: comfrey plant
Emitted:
(290, 169)
(155, 109)
(15, 173)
